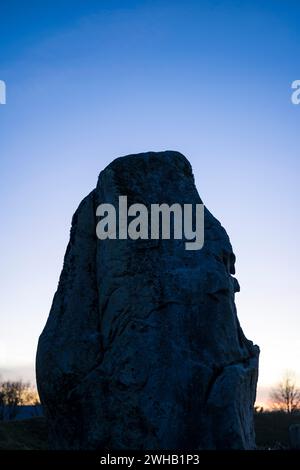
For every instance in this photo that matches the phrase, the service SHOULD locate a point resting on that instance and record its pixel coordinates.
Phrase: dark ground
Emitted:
(272, 429)
(271, 432)
(28, 434)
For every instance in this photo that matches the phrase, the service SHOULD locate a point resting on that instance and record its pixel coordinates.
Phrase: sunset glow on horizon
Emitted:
(113, 78)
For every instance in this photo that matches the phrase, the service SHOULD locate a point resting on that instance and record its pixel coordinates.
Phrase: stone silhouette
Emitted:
(143, 348)
(294, 436)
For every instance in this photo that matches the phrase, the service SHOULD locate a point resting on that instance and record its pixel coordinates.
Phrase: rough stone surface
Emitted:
(143, 348)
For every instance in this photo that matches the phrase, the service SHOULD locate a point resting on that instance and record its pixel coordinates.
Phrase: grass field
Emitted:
(272, 429)
(271, 432)
(28, 434)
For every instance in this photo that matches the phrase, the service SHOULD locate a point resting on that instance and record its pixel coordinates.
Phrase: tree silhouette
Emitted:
(286, 396)
(14, 394)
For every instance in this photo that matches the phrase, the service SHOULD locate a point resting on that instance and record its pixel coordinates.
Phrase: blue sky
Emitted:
(88, 81)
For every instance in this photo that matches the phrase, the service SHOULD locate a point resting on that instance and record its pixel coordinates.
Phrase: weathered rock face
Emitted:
(143, 348)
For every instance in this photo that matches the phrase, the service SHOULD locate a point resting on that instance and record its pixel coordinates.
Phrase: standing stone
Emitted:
(294, 435)
(143, 348)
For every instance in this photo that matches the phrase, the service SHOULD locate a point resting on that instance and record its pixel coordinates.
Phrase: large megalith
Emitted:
(142, 348)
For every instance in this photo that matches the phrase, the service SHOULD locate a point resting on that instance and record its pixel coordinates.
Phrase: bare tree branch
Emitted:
(286, 396)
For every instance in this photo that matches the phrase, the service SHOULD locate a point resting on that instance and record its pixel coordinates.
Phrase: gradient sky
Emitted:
(88, 81)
